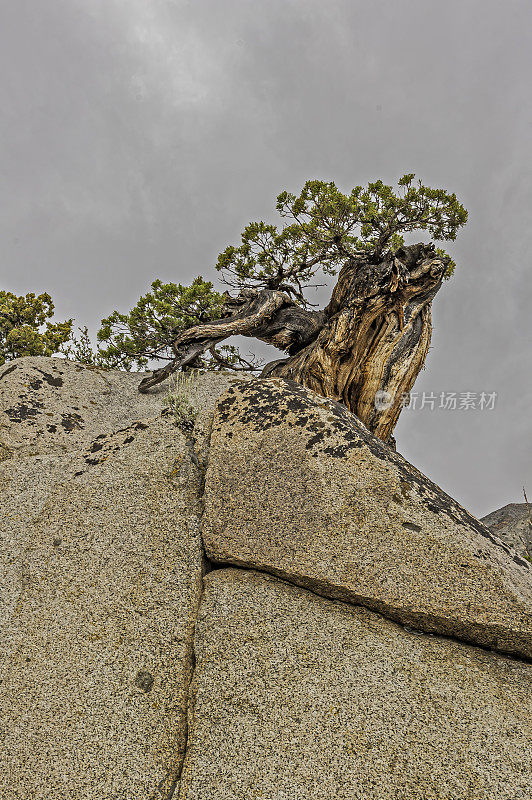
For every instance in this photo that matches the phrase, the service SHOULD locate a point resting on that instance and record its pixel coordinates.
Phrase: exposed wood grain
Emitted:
(373, 336)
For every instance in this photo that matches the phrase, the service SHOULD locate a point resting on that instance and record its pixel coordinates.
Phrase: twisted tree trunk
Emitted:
(365, 349)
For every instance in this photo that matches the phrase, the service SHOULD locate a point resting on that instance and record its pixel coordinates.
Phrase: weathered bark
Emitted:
(376, 337)
(372, 337)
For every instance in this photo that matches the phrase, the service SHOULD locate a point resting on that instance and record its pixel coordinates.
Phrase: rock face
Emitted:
(302, 698)
(100, 583)
(512, 524)
(122, 660)
(298, 487)
(51, 405)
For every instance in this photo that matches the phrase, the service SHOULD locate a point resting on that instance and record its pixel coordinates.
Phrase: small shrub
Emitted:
(182, 385)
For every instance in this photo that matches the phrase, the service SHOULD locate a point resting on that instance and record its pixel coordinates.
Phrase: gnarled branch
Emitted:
(373, 335)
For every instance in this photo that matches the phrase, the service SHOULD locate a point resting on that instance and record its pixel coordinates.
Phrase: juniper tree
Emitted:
(374, 333)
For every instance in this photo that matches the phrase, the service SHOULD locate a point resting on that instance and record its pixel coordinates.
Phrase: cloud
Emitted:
(140, 136)
(172, 60)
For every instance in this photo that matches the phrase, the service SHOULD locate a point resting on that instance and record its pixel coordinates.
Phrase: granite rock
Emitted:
(298, 487)
(512, 524)
(296, 697)
(53, 405)
(100, 576)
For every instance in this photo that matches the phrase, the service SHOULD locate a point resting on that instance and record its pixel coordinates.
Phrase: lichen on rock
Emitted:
(324, 662)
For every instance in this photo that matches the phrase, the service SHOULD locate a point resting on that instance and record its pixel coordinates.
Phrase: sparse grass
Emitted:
(182, 386)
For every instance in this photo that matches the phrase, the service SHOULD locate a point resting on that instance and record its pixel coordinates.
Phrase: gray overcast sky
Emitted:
(138, 137)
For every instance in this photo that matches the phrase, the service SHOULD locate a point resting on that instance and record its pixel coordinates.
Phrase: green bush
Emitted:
(25, 327)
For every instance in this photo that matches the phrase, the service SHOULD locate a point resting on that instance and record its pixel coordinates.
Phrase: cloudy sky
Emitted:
(138, 138)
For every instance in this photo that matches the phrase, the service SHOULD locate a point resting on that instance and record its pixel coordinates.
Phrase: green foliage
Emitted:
(149, 329)
(324, 228)
(327, 226)
(25, 327)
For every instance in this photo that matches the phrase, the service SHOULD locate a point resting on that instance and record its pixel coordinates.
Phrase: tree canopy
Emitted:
(25, 327)
(324, 229)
